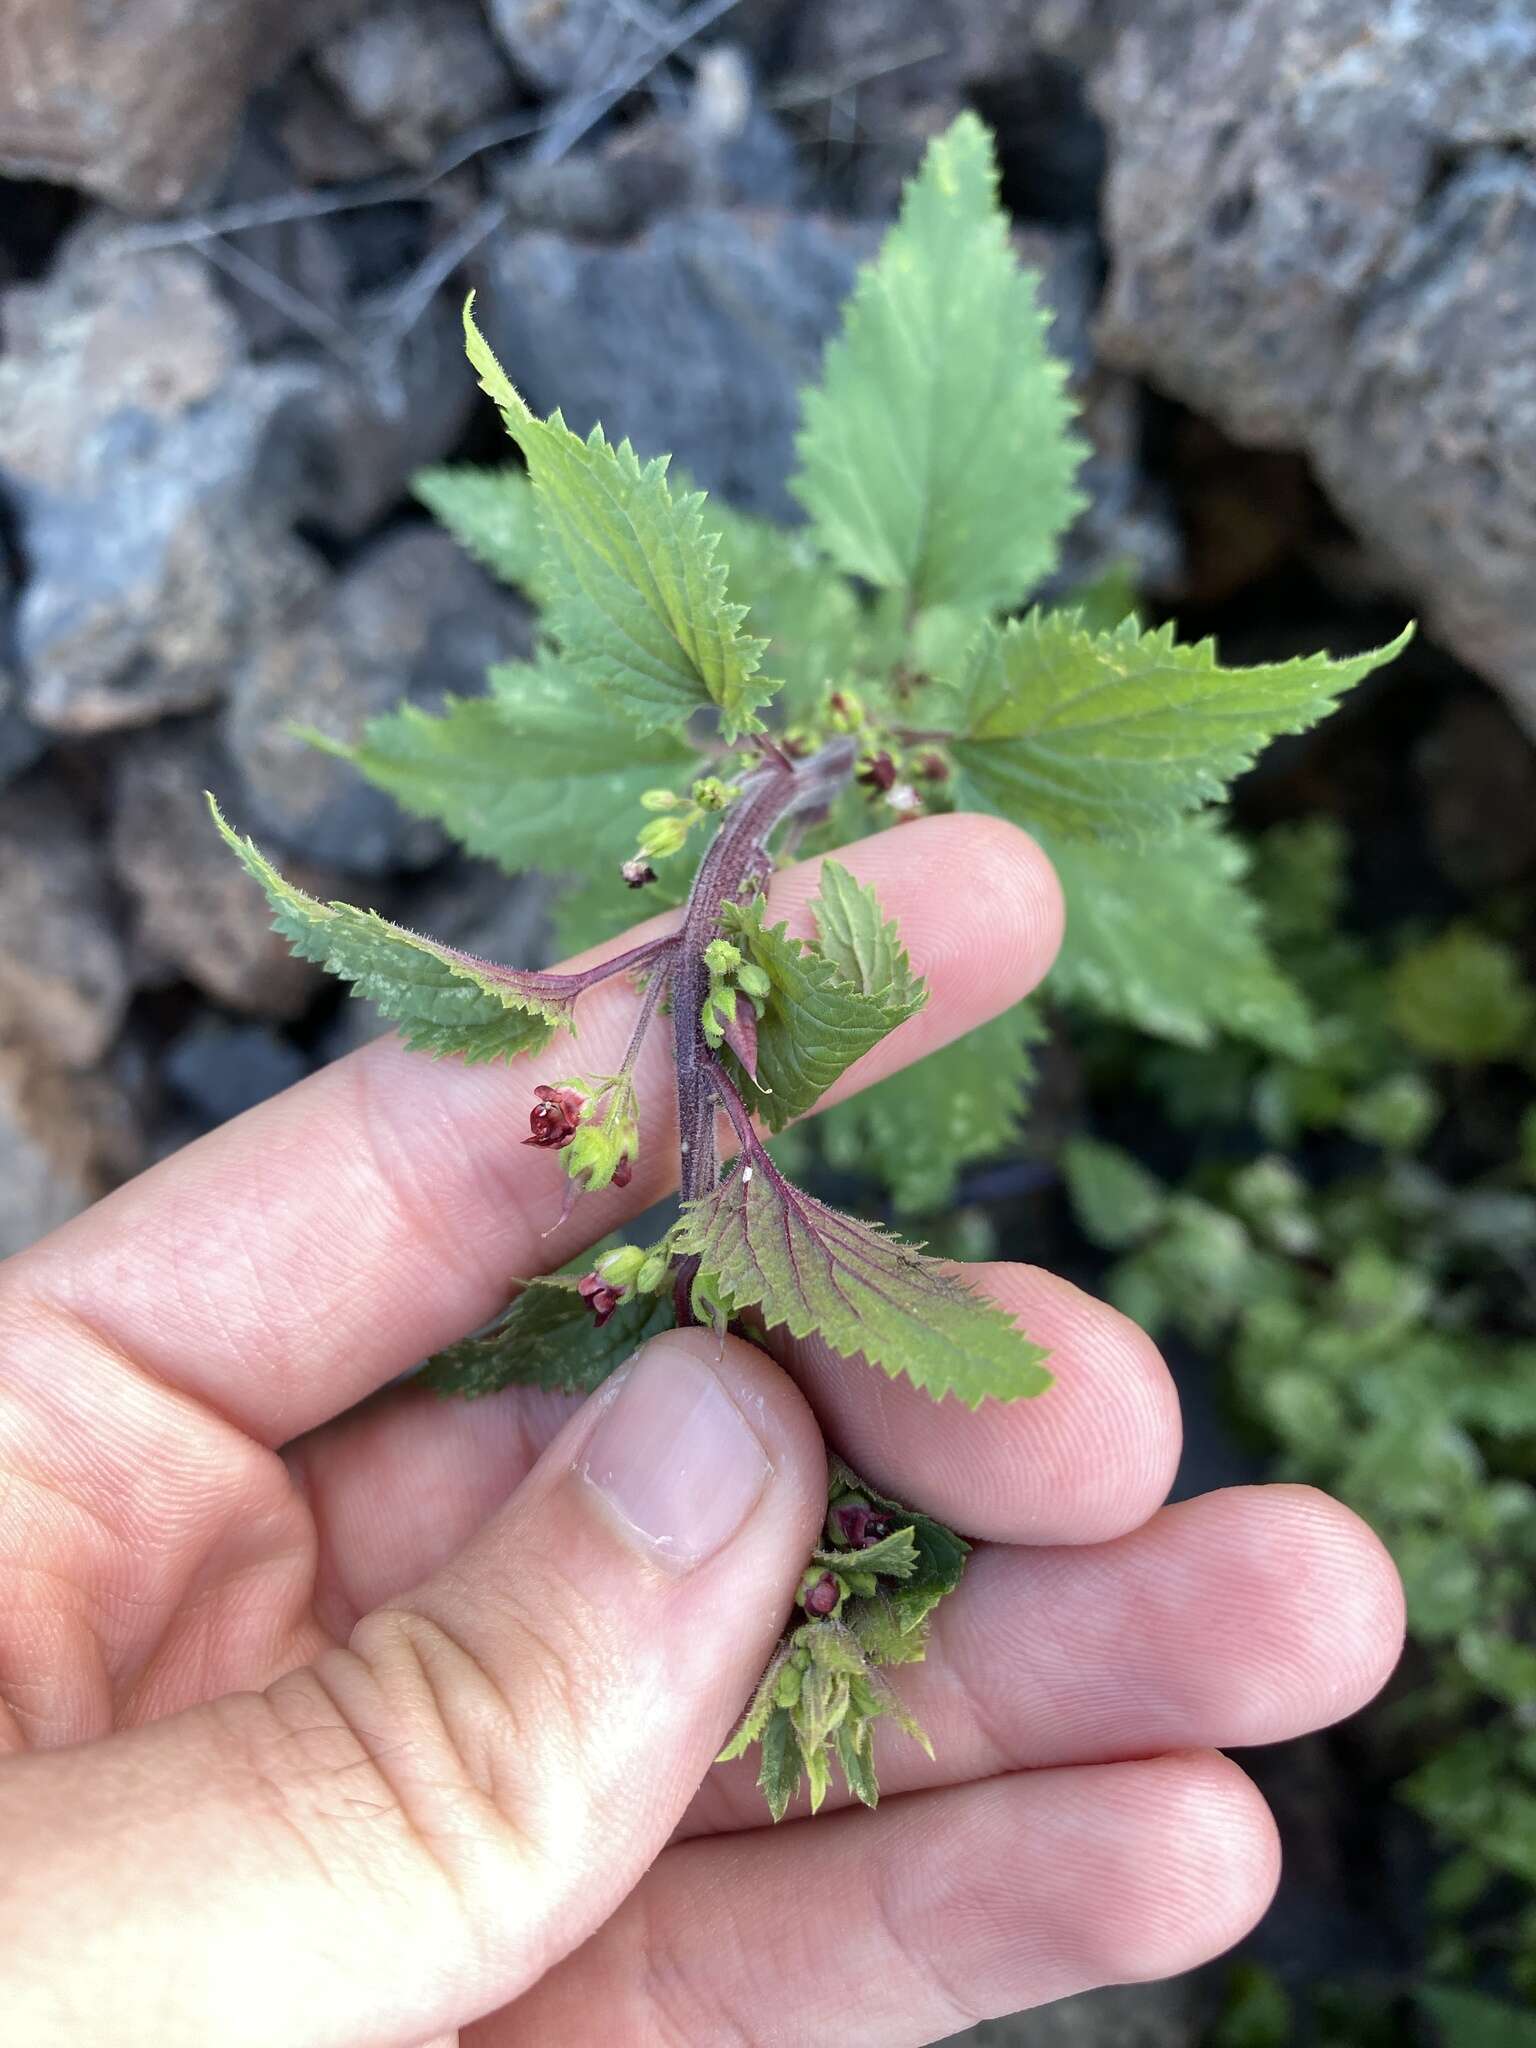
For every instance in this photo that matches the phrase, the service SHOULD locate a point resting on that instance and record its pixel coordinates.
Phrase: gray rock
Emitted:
(220, 1069)
(1120, 2016)
(355, 437)
(65, 1140)
(558, 44)
(196, 913)
(412, 619)
(21, 743)
(139, 101)
(63, 979)
(693, 339)
(145, 460)
(1129, 521)
(1324, 236)
(415, 72)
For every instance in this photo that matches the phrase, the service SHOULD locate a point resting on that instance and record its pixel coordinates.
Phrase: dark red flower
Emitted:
(599, 1296)
(822, 1597)
(860, 1525)
(637, 872)
(877, 771)
(933, 767)
(553, 1119)
(623, 1173)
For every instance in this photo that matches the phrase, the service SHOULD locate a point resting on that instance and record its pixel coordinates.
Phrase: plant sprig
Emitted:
(655, 742)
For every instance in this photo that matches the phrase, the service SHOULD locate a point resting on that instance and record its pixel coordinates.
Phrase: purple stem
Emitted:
(621, 963)
(781, 789)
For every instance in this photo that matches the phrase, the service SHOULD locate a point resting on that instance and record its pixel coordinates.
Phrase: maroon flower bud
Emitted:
(933, 767)
(553, 1119)
(877, 771)
(637, 872)
(822, 1597)
(623, 1173)
(860, 1525)
(599, 1296)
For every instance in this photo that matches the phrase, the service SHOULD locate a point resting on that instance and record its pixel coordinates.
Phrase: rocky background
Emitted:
(1291, 245)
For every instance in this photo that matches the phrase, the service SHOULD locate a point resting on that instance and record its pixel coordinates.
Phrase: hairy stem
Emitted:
(781, 789)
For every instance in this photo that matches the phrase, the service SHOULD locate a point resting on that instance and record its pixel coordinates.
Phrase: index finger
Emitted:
(289, 1264)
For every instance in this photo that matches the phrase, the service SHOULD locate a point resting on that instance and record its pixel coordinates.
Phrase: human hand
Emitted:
(356, 1741)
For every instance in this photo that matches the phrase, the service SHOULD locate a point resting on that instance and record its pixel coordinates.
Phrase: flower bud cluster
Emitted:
(675, 817)
(627, 1270)
(731, 976)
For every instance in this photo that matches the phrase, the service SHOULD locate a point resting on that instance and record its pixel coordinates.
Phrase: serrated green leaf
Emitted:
(861, 942)
(856, 1754)
(1116, 735)
(762, 1243)
(1116, 1200)
(817, 630)
(894, 1556)
(490, 513)
(548, 1338)
(539, 774)
(936, 457)
(916, 1131)
(828, 1003)
(1166, 938)
(1463, 997)
(637, 600)
(780, 1764)
(443, 1000)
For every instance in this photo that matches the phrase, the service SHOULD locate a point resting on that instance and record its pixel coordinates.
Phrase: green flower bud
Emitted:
(786, 1691)
(721, 957)
(659, 800)
(652, 1276)
(751, 979)
(845, 711)
(598, 1152)
(622, 1266)
(711, 794)
(663, 836)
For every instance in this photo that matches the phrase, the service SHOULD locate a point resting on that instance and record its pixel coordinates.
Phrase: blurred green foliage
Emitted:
(1356, 1243)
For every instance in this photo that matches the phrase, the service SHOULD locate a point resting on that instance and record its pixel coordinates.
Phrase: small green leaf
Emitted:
(916, 1131)
(636, 598)
(491, 513)
(538, 774)
(1463, 997)
(936, 456)
(762, 1243)
(894, 1556)
(444, 1001)
(1116, 735)
(828, 1004)
(856, 1754)
(781, 1763)
(861, 942)
(1166, 938)
(548, 1338)
(1116, 1200)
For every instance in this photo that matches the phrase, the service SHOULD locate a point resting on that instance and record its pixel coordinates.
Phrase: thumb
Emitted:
(410, 1831)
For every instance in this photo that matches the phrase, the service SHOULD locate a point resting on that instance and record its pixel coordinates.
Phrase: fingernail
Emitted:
(674, 1458)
